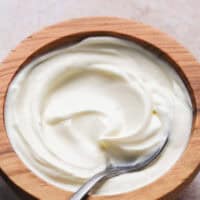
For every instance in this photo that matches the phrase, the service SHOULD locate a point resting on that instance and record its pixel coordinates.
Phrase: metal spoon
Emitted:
(114, 169)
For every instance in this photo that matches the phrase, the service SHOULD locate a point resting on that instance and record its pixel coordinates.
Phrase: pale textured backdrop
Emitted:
(178, 18)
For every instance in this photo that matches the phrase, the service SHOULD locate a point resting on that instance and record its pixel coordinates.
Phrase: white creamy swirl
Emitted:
(67, 110)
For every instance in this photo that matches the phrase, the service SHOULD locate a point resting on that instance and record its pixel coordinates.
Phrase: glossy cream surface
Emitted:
(69, 110)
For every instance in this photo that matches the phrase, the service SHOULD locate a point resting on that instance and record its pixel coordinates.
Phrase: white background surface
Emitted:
(178, 18)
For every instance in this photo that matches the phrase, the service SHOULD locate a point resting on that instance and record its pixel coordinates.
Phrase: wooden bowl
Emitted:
(167, 186)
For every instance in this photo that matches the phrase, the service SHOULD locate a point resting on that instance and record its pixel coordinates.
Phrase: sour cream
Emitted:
(67, 110)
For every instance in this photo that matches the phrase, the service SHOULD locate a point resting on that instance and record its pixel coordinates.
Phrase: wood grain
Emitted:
(168, 186)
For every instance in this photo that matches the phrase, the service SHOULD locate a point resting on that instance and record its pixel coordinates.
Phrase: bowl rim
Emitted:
(68, 32)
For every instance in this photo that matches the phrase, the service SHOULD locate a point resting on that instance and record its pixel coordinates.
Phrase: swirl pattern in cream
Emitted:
(68, 110)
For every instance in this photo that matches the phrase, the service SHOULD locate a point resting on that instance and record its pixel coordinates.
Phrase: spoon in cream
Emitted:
(115, 169)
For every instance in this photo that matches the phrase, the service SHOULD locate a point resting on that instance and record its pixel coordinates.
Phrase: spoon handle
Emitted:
(89, 185)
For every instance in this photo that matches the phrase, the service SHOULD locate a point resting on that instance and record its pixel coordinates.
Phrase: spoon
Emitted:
(114, 169)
